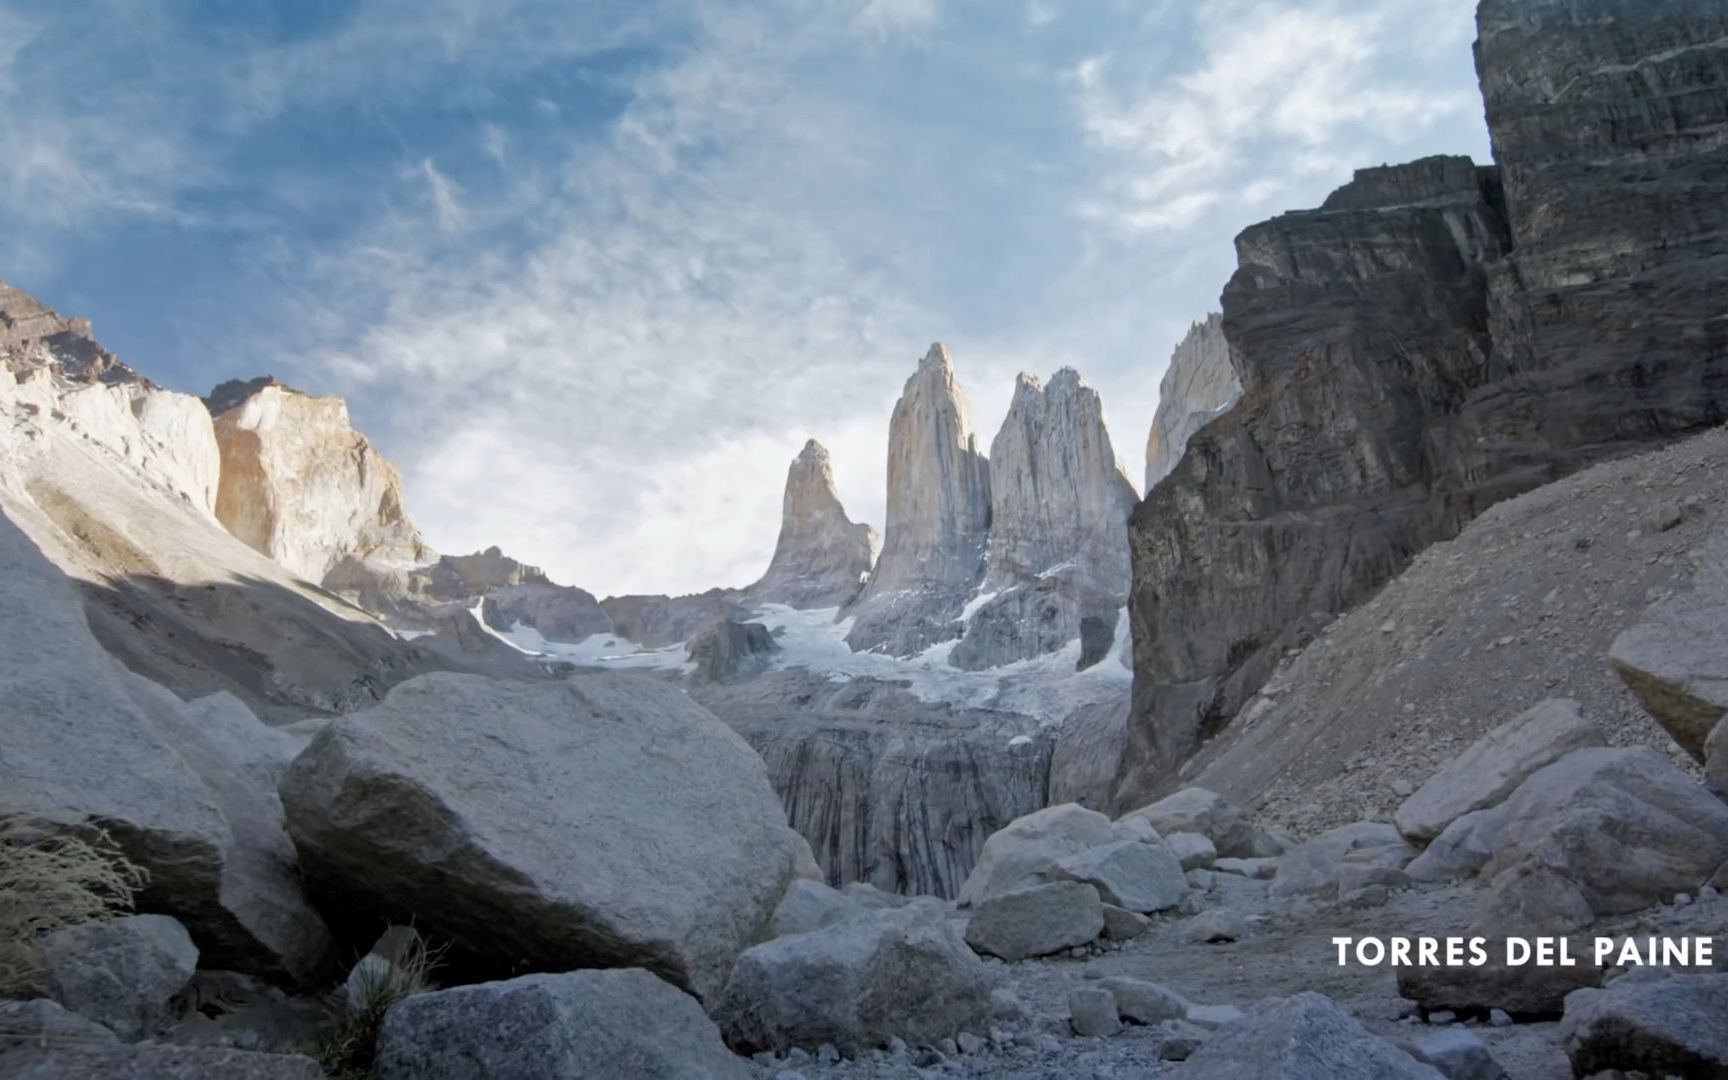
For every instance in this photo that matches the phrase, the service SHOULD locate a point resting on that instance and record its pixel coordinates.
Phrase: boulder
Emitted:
(804, 864)
(1623, 825)
(1198, 810)
(1526, 991)
(1120, 924)
(1023, 851)
(1313, 868)
(1255, 869)
(1036, 921)
(581, 1023)
(1300, 1038)
(603, 821)
(1459, 852)
(1458, 1053)
(1143, 1002)
(810, 905)
(900, 972)
(385, 964)
(1219, 924)
(121, 973)
(1494, 765)
(1092, 1012)
(1673, 1026)
(1127, 873)
(1193, 849)
(153, 1061)
(45, 1022)
(1676, 659)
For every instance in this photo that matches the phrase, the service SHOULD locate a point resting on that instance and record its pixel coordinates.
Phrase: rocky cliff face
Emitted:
(302, 486)
(938, 518)
(1199, 385)
(33, 335)
(1430, 342)
(887, 789)
(1058, 549)
(822, 557)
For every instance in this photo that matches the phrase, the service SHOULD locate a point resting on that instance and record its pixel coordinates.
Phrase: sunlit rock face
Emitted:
(1198, 386)
(302, 486)
(1058, 550)
(822, 557)
(938, 521)
(1440, 336)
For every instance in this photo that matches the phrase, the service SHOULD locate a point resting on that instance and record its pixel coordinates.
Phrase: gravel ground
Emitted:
(1520, 607)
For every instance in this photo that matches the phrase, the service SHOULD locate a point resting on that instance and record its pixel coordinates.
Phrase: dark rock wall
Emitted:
(1438, 337)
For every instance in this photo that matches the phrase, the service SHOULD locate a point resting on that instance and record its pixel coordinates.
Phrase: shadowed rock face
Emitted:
(821, 557)
(887, 789)
(1058, 526)
(938, 518)
(1428, 343)
(1199, 384)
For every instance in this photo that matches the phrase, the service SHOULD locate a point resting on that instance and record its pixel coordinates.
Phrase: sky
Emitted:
(590, 273)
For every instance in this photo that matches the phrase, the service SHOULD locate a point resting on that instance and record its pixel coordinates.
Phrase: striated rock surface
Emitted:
(1317, 485)
(1197, 387)
(822, 557)
(1059, 506)
(302, 486)
(888, 789)
(1446, 337)
(938, 519)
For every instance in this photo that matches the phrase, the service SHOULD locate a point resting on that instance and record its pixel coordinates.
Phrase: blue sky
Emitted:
(592, 272)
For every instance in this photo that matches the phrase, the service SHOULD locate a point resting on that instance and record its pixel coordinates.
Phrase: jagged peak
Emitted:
(813, 451)
(1067, 380)
(937, 357)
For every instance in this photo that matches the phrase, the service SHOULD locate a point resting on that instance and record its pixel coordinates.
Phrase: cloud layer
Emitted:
(592, 279)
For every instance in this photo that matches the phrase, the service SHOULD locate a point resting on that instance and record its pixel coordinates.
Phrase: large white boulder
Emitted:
(1023, 852)
(602, 821)
(897, 972)
(1494, 766)
(582, 1023)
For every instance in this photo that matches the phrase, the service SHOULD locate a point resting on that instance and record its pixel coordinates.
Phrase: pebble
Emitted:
(1500, 1018)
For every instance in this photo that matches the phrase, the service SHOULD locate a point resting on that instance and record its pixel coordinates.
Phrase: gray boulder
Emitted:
(603, 821)
(1036, 921)
(1676, 660)
(1145, 1002)
(1120, 924)
(1193, 849)
(1023, 851)
(1263, 869)
(1198, 810)
(1525, 991)
(45, 1022)
(1672, 1026)
(1458, 1053)
(902, 972)
(1217, 925)
(1624, 825)
(1139, 877)
(1303, 1038)
(385, 964)
(121, 973)
(1092, 1012)
(810, 905)
(153, 1061)
(1459, 852)
(1314, 868)
(1494, 765)
(580, 1023)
